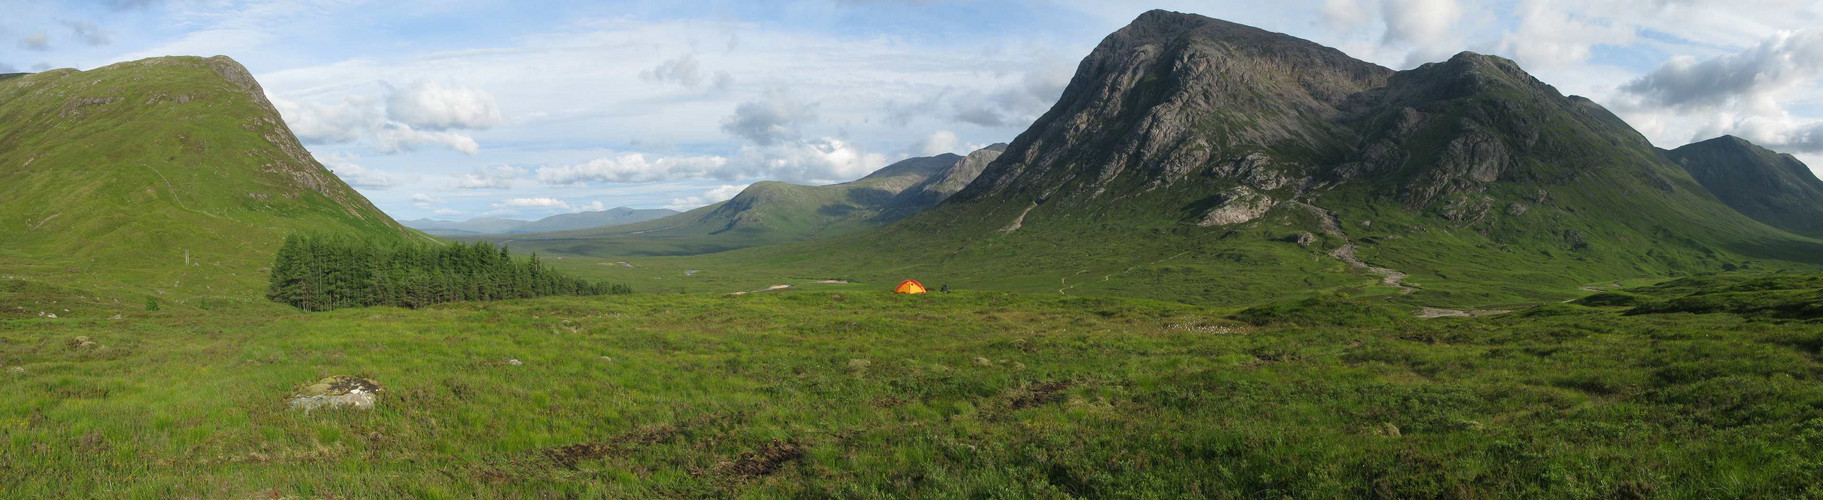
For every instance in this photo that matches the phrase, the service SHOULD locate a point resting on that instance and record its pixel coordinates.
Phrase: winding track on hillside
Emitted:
(1332, 226)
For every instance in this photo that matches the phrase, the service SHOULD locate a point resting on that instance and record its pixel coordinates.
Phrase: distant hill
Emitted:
(774, 212)
(171, 177)
(561, 222)
(940, 185)
(1773, 188)
(1200, 160)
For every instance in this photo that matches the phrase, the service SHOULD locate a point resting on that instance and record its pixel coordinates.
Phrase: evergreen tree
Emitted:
(322, 272)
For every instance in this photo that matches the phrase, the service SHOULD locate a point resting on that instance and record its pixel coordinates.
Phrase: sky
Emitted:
(460, 109)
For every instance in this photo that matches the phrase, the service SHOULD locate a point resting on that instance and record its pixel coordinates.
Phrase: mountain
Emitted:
(772, 212)
(941, 185)
(1195, 159)
(1773, 188)
(171, 177)
(561, 222)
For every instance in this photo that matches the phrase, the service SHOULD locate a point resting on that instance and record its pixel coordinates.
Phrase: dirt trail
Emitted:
(789, 285)
(1432, 312)
(46, 219)
(1061, 281)
(1346, 253)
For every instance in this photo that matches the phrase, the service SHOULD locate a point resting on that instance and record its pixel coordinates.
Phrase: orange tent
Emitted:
(910, 286)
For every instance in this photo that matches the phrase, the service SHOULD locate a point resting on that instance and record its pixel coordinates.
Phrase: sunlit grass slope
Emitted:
(172, 177)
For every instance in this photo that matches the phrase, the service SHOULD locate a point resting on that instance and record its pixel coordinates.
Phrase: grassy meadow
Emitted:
(847, 391)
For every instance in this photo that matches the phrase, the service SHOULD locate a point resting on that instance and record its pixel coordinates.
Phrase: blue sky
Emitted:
(454, 110)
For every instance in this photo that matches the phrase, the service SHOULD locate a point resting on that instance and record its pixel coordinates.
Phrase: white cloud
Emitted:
(356, 175)
(353, 118)
(772, 119)
(716, 195)
(533, 203)
(39, 41)
(398, 137)
(1345, 14)
(819, 161)
(1550, 33)
(425, 201)
(496, 177)
(1775, 64)
(552, 204)
(1427, 27)
(88, 32)
(684, 70)
(358, 118)
(1742, 93)
(635, 167)
(939, 142)
(1015, 103)
(1421, 22)
(435, 106)
(816, 161)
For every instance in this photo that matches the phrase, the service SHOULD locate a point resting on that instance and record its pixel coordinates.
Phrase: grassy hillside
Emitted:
(852, 392)
(171, 177)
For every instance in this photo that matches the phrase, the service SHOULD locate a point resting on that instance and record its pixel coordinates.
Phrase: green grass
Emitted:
(163, 176)
(853, 392)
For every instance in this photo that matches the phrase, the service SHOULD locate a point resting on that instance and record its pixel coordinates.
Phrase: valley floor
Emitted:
(847, 391)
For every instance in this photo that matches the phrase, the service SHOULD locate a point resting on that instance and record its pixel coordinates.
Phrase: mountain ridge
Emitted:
(172, 176)
(774, 212)
(1771, 187)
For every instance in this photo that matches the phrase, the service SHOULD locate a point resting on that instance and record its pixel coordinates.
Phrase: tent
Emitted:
(910, 286)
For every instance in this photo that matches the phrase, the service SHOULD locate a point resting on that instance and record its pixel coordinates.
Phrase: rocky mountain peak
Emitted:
(1174, 93)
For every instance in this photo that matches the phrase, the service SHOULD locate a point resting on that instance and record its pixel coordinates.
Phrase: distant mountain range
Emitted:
(773, 212)
(561, 222)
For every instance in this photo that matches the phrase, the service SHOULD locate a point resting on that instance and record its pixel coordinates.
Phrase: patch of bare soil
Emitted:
(1038, 394)
(570, 455)
(762, 461)
(1432, 312)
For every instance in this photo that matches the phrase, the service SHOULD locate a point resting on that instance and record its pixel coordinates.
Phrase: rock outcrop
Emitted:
(340, 391)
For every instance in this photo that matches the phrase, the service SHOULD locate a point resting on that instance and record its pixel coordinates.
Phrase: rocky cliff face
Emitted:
(1220, 122)
(941, 185)
(1171, 96)
(1773, 188)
